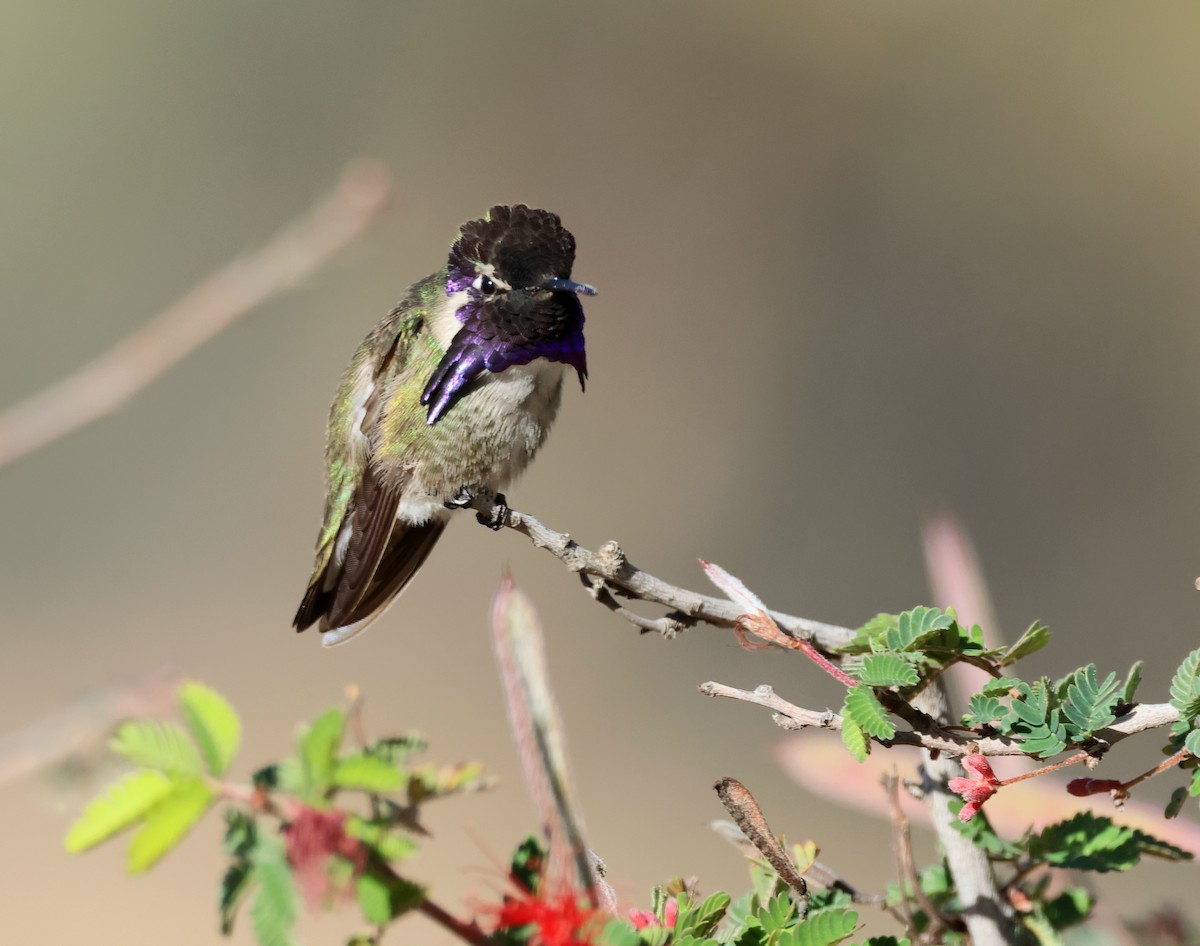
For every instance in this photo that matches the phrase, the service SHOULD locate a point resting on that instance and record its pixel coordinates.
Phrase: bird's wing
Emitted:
(356, 559)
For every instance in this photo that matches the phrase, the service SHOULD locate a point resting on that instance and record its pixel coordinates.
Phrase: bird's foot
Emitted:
(464, 498)
(498, 515)
(494, 518)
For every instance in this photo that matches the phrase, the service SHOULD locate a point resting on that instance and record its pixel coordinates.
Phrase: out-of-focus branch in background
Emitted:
(108, 381)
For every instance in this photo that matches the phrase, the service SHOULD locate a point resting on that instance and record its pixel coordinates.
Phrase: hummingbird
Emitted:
(449, 397)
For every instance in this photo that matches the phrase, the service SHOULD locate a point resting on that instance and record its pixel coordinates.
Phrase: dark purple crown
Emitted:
(523, 249)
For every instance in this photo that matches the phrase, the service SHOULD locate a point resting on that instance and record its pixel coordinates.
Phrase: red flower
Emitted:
(976, 790)
(313, 837)
(561, 919)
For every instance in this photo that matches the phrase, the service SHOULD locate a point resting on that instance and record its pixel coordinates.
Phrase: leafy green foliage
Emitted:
(123, 804)
(165, 747)
(1069, 908)
(983, 710)
(317, 751)
(1185, 697)
(854, 739)
(916, 626)
(1036, 636)
(276, 904)
(1032, 718)
(1092, 842)
(981, 833)
(886, 670)
(213, 723)
(822, 928)
(368, 773)
(179, 781)
(168, 822)
(383, 896)
(1132, 680)
(863, 706)
(1089, 704)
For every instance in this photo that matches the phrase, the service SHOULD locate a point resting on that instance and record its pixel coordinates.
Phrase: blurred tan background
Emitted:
(858, 263)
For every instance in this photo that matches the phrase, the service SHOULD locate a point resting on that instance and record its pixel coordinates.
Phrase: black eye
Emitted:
(486, 286)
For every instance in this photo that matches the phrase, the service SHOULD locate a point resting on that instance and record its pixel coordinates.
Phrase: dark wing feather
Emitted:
(406, 552)
(336, 590)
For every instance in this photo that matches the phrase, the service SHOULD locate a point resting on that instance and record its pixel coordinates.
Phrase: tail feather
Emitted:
(407, 548)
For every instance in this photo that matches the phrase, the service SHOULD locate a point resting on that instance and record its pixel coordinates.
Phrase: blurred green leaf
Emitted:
(273, 912)
(1070, 907)
(618, 933)
(235, 884)
(157, 745)
(214, 724)
(318, 750)
(1092, 842)
(383, 896)
(168, 822)
(367, 773)
(120, 806)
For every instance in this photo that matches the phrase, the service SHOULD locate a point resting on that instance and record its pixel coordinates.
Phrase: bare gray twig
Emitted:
(610, 565)
(789, 716)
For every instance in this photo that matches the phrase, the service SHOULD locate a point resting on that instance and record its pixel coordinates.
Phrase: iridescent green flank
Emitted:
(414, 357)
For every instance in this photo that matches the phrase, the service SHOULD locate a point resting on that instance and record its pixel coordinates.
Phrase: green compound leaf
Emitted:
(1036, 636)
(1192, 742)
(157, 745)
(980, 831)
(872, 631)
(398, 749)
(701, 920)
(1089, 704)
(776, 913)
(983, 710)
(915, 626)
(379, 837)
(1001, 686)
(234, 887)
(1092, 842)
(367, 773)
(273, 912)
(1132, 680)
(619, 933)
(823, 928)
(1175, 802)
(382, 896)
(1070, 907)
(318, 750)
(864, 706)
(1041, 729)
(121, 805)
(886, 670)
(853, 738)
(1185, 694)
(168, 823)
(214, 725)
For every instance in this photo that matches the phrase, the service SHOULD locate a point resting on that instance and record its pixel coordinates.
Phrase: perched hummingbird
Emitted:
(451, 395)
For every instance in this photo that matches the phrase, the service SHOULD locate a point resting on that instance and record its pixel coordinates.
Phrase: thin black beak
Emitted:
(555, 284)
